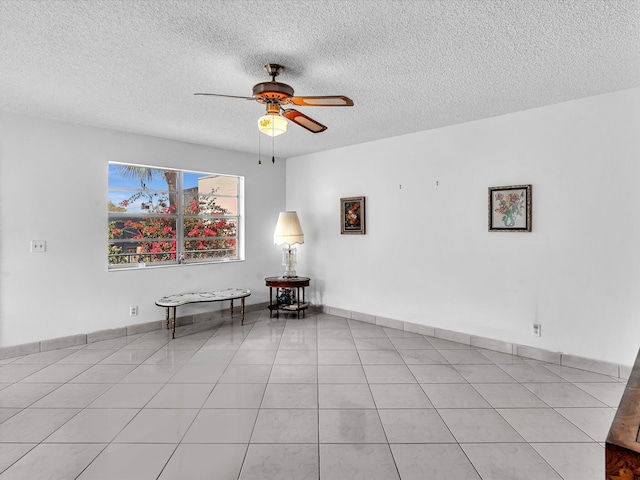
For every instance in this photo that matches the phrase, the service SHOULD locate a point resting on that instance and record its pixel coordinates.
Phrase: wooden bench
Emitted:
(174, 301)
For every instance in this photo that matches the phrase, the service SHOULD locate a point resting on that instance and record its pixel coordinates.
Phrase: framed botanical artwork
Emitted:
(352, 216)
(510, 208)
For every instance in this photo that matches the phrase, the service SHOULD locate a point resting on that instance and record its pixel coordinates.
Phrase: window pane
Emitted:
(142, 239)
(207, 204)
(211, 183)
(210, 238)
(142, 252)
(198, 249)
(138, 228)
(141, 201)
(210, 194)
(210, 227)
(139, 178)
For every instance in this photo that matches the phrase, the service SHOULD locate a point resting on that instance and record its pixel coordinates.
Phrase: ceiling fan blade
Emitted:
(304, 121)
(322, 101)
(227, 96)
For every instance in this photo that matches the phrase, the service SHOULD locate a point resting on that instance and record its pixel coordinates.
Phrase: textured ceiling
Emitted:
(133, 65)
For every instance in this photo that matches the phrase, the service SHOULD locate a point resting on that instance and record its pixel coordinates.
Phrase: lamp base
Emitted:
(289, 262)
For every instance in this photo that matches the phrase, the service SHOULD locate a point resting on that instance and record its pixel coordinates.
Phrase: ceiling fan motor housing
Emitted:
(269, 91)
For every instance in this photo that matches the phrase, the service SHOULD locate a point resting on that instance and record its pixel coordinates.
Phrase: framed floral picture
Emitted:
(352, 216)
(510, 208)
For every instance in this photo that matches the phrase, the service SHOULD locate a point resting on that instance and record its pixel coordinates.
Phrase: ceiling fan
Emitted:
(276, 94)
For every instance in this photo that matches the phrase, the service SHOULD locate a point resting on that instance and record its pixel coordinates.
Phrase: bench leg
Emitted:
(242, 310)
(167, 318)
(173, 324)
(231, 310)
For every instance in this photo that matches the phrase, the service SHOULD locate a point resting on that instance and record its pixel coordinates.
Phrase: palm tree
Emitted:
(146, 175)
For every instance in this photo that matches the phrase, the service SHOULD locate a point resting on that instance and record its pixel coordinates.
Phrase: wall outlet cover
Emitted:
(536, 330)
(38, 246)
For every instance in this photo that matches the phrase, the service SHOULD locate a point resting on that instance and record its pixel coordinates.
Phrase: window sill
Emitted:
(150, 266)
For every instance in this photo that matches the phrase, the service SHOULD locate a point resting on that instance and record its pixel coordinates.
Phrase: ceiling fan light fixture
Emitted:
(272, 124)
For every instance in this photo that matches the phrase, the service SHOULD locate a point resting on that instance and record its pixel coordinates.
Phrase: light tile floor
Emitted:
(315, 398)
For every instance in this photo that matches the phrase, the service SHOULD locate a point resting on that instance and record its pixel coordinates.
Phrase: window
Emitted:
(159, 216)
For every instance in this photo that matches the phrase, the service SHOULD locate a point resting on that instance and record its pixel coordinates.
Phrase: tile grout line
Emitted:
(386, 436)
(318, 396)
(359, 351)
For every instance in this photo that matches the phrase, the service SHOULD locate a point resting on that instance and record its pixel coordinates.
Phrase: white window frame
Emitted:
(136, 260)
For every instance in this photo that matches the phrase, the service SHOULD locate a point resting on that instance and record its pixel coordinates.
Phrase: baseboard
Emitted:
(582, 363)
(135, 329)
(558, 358)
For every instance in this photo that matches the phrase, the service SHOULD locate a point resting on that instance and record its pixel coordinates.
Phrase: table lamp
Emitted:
(288, 232)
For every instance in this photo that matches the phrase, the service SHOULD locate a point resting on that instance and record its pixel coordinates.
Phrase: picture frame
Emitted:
(352, 216)
(510, 208)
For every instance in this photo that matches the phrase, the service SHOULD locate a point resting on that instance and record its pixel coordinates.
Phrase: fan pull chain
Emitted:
(259, 159)
(273, 142)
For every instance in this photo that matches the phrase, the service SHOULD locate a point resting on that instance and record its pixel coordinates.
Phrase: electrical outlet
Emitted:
(38, 246)
(536, 330)
(133, 311)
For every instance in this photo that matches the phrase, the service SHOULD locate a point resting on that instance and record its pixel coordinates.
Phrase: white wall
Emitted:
(428, 258)
(53, 187)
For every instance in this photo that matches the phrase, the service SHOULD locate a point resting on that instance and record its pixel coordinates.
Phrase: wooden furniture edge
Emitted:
(622, 449)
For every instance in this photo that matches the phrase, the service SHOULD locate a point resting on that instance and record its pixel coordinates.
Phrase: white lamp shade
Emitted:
(272, 124)
(288, 229)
